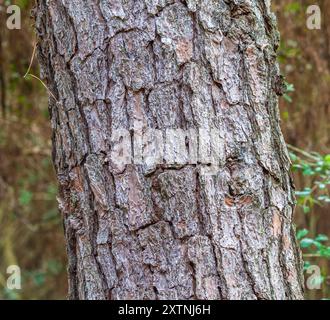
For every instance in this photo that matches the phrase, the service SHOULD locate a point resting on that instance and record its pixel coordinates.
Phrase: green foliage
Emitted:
(316, 167)
(289, 88)
(316, 246)
(288, 50)
(293, 7)
(39, 277)
(25, 197)
(23, 4)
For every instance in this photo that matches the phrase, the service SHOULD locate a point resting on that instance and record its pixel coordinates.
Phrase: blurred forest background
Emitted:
(31, 233)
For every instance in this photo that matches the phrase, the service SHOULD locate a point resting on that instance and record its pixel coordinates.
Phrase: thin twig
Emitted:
(302, 152)
(31, 61)
(312, 255)
(35, 77)
(27, 74)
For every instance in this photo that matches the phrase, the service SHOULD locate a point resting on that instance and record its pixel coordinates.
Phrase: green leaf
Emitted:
(302, 233)
(306, 243)
(323, 198)
(305, 193)
(325, 252)
(25, 197)
(293, 7)
(306, 209)
(39, 278)
(322, 238)
(327, 159)
(293, 157)
(308, 171)
(307, 264)
(287, 98)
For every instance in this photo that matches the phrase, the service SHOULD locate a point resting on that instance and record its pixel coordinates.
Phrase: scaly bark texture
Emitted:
(169, 231)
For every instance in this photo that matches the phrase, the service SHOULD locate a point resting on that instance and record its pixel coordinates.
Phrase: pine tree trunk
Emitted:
(170, 230)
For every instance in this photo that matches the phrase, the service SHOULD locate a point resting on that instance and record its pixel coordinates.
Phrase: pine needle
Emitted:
(28, 74)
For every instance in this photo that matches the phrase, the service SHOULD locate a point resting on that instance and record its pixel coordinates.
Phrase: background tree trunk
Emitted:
(170, 231)
(2, 71)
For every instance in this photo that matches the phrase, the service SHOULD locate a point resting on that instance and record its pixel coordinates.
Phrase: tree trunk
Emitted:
(2, 69)
(170, 229)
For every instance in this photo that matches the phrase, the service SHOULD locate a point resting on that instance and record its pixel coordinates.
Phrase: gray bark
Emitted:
(170, 231)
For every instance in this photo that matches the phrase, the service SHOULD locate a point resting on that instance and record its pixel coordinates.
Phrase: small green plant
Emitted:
(316, 170)
(316, 246)
(289, 88)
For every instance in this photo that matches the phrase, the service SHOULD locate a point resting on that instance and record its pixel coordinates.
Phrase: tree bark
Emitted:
(169, 230)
